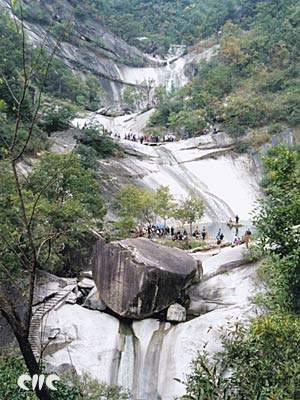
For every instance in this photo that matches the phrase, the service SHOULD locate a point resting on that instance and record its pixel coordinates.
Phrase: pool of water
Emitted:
(229, 233)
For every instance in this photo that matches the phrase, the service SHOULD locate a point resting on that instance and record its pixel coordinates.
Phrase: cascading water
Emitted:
(137, 368)
(150, 357)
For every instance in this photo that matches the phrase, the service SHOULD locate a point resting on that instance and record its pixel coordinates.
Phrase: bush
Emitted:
(102, 144)
(88, 156)
(183, 244)
(57, 118)
(241, 147)
(242, 112)
(263, 363)
(68, 388)
(11, 367)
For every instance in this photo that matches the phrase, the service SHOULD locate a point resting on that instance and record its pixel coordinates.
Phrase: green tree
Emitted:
(135, 205)
(97, 139)
(38, 210)
(129, 97)
(263, 361)
(164, 203)
(279, 213)
(263, 358)
(57, 117)
(190, 211)
(278, 222)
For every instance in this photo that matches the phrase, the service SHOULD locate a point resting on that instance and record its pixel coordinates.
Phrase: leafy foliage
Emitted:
(253, 81)
(183, 21)
(63, 201)
(264, 363)
(95, 144)
(263, 359)
(57, 117)
(68, 388)
(98, 140)
(278, 222)
(135, 206)
(189, 211)
(61, 82)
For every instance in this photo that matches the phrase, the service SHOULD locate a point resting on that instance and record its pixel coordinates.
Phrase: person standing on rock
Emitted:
(236, 241)
(203, 233)
(220, 236)
(237, 218)
(247, 237)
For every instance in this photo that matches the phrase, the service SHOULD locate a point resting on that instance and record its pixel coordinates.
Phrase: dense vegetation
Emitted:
(11, 367)
(253, 81)
(151, 25)
(264, 358)
(61, 82)
(155, 25)
(139, 207)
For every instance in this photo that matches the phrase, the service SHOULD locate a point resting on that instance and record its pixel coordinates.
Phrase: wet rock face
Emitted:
(137, 277)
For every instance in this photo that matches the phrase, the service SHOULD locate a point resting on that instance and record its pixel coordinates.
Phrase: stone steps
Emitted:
(39, 313)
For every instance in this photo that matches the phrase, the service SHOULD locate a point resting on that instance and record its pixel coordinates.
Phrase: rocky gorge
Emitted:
(151, 357)
(138, 312)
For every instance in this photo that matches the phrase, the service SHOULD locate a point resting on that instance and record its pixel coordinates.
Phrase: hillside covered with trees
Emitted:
(252, 83)
(53, 206)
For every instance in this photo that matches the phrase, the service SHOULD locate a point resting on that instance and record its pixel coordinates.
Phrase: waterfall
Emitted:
(126, 372)
(136, 366)
(148, 386)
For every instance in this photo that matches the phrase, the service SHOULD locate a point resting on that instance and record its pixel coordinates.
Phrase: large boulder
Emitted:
(137, 278)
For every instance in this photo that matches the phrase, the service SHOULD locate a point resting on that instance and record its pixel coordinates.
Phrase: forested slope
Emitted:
(254, 80)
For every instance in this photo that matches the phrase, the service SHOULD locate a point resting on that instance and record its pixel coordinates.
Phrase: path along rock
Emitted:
(137, 278)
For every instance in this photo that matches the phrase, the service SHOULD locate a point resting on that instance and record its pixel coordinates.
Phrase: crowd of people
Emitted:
(143, 139)
(157, 231)
(146, 139)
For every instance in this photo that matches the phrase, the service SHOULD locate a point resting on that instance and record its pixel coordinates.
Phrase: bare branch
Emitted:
(48, 239)
(14, 251)
(9, 88)
(35, 114)
(8, 274)
(37, 199)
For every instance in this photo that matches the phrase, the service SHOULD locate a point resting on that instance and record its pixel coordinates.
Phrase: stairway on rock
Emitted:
(39, 312)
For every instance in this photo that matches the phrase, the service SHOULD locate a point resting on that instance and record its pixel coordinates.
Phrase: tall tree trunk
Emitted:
(32, 365)
(21, 334)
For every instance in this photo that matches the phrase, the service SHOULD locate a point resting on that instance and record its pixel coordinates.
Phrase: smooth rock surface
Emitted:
(205, 166)
(137, 277)
(227, 281)
(176, 313)
(88, 340)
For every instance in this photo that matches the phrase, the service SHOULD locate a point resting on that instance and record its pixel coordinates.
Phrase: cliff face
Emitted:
(152, 358)
(88, 45)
